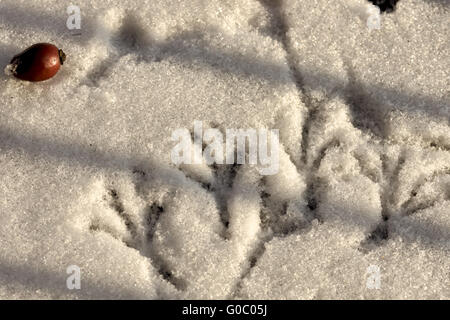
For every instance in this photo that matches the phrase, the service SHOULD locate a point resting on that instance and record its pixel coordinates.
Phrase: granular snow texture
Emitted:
(364, 160)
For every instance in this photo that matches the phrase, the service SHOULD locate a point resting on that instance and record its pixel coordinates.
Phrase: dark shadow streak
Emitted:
(24, 20)
(413, 231)
(55, 284)
(227, 62)
(244, 66)
(185, 48)
(77, 154)
(73, 153)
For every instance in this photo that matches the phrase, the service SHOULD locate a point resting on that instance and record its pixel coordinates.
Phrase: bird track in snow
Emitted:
(272, 218)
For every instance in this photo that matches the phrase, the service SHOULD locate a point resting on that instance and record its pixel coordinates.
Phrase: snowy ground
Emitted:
(364, 178)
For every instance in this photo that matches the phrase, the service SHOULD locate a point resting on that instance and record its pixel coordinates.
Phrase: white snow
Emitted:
(364, 157)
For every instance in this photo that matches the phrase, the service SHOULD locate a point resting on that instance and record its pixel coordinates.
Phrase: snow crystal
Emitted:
(364, 151)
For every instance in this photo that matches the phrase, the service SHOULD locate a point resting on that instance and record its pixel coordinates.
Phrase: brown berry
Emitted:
(37, 63)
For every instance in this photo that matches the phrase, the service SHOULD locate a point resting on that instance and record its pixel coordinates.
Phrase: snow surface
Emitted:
(364, 179)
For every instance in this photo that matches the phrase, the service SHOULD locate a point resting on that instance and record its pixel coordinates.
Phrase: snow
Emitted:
(364, 156)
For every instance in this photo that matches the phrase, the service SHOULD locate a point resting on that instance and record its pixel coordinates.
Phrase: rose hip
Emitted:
(37, 63)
